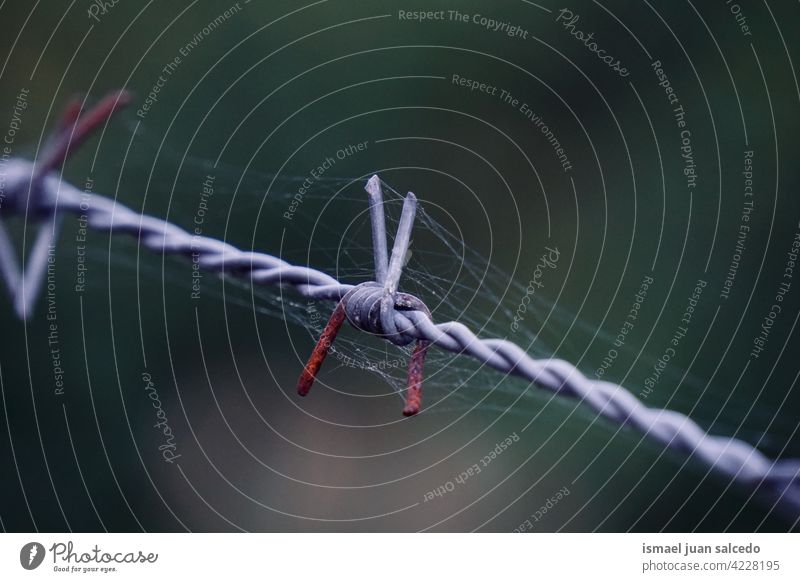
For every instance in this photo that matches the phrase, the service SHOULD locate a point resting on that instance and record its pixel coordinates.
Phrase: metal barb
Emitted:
(71, 131)
(34, 270)
(378, 221)
(401, 241)
(9, 268)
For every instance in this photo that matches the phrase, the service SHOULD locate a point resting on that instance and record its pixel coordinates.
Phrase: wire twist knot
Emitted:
(370, 307)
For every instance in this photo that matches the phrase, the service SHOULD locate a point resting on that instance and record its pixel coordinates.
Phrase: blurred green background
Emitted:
(272, 89)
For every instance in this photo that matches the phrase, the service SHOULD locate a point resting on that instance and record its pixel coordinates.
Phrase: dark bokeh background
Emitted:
(276, 88)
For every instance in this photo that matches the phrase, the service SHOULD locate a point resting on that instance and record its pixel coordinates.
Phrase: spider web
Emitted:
(456, 282)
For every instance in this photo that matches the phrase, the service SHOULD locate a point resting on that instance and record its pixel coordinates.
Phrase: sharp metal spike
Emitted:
(378, 219)
(9, 266)
(34, 270)
(401, 242)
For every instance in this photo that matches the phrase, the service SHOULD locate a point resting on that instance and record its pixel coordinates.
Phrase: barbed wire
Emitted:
(731, 457)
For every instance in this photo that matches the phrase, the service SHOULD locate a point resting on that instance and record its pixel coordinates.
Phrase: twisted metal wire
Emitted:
(732, 457)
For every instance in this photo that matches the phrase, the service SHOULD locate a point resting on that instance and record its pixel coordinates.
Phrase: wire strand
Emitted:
(731, 457)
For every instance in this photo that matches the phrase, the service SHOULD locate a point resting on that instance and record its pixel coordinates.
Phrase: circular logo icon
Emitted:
(31, 555)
